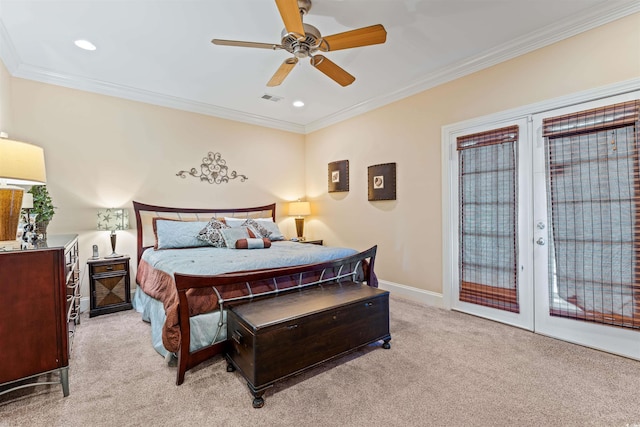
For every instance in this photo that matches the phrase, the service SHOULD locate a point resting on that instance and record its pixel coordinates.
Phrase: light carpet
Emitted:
(444, 368)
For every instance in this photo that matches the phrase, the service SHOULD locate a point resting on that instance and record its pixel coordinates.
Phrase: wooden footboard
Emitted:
(239, 287)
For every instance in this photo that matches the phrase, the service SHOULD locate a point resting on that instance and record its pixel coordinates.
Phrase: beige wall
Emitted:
(5, 100)
(102, 151)
(408, 132)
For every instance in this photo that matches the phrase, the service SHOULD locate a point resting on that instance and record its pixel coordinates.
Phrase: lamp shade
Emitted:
(21, 163)
(113, 219)
(27, 201)
(299, 208)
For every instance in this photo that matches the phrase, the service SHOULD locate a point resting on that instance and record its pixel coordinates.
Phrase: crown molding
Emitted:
(8, 53)
(119, 91)
(592, 18)
(545, 36)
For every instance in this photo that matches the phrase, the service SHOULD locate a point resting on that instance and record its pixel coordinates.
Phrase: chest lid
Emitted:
(295, 304)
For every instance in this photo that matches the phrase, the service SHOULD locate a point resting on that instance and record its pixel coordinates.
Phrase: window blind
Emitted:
(488, 213)
(593, 188)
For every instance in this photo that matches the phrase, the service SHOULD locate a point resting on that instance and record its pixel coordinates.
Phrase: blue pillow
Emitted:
(172, 234)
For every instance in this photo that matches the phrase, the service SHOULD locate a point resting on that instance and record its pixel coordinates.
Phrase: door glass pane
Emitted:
(592, 187)
(488, 258)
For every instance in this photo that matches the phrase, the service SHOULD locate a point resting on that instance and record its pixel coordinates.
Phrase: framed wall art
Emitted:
(382, 182)
(338, 178)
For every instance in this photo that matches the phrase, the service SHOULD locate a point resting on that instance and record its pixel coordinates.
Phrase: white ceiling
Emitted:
(160, 51)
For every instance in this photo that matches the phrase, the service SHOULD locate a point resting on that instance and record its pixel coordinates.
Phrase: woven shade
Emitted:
(488, 212)
(594, 194)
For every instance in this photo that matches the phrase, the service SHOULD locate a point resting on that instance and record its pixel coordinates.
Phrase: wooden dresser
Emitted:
(40, 291)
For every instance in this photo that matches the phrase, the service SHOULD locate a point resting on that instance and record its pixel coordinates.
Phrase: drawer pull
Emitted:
(292, 326)
(368, 304)
(237, 337)
(109, 267)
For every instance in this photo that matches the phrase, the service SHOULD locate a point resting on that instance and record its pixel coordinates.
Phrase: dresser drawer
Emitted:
(110, 268)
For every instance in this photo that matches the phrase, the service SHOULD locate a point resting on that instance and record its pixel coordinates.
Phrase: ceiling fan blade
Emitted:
(333, 71)
(246, 44)
(283, 71)
(365, 36)
(291, 17)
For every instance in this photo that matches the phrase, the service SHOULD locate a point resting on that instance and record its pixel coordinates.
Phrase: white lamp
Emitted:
(113, 219)
(300, 210)
(22, 164)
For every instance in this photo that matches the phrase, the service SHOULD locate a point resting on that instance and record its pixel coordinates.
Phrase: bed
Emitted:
(183, 284)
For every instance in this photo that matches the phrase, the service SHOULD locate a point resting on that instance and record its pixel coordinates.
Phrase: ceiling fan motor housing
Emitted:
(302, 48)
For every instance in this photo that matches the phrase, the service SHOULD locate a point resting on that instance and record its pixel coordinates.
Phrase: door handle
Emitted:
(540, 241)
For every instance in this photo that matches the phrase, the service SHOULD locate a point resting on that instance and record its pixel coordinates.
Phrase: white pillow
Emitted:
(237, 222)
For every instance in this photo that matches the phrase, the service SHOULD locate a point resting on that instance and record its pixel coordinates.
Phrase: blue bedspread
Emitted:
(210, 260)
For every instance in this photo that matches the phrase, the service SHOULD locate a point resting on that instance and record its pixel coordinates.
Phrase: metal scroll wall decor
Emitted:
(213, 170)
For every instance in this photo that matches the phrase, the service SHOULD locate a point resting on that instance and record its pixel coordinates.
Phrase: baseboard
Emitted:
(420, 295)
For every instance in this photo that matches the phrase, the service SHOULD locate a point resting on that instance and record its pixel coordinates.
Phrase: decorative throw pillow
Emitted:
(257, 243)
(211, 233)
(257, 228)
(272, 230)
(175, 234)
(233, 234)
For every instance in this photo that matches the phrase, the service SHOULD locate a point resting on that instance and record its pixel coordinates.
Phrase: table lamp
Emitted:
(299, 209)
(113, 219)
(20, 164)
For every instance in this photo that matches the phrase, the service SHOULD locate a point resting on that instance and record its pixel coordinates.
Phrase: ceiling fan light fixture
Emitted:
(298, 104)
(85, 44)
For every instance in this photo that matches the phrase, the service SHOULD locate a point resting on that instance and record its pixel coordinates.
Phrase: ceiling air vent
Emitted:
(272, 98)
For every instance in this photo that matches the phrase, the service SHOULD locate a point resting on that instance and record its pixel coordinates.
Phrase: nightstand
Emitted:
(312, 242)
(109, 285)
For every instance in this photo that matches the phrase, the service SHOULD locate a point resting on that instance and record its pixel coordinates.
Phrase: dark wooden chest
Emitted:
(280, 336)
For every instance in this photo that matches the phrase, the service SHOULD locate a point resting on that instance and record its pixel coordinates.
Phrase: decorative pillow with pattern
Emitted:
(211, 233)
(268, 229)
(258, 228)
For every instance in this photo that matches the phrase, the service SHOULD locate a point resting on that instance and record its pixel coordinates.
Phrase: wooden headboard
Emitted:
(145, 214)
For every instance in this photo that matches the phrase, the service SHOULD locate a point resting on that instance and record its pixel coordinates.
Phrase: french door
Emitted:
(548, 223)
(489, 171)
(587, 224)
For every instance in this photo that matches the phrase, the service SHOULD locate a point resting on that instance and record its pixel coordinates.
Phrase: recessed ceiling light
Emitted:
(298, 104)
(85, 44)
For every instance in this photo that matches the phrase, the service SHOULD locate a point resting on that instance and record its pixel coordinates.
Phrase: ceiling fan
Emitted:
(303, 40)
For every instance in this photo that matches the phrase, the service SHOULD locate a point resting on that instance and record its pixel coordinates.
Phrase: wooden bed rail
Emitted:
(234, 288)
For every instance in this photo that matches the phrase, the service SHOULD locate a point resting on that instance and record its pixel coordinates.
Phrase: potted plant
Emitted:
(42, 207)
